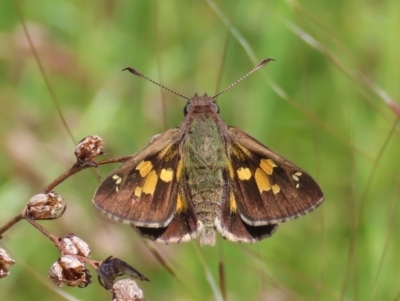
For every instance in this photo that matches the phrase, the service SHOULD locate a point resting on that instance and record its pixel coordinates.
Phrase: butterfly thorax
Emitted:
(204, 156)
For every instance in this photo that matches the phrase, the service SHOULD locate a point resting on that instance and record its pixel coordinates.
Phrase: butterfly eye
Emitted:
(215, 107)
(187, 108)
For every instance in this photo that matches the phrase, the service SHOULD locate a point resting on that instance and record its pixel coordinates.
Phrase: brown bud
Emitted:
(70, 271)
(75, 245)
(127, 290)
(44, 206)
(113, 267)
(88, 149)
(5, 263)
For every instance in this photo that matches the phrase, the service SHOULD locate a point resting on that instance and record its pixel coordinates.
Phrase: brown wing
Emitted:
(146, 193)
(230, 224)
(266, 188)
(183, 227)
(144, 189)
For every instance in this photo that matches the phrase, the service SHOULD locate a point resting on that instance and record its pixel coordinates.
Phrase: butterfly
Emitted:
(205, 177)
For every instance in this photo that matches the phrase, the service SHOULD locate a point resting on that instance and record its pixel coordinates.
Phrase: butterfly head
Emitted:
(201, 104)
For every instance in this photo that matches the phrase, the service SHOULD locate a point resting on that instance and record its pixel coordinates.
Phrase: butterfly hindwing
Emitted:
(267, 189)
(230, 224)
(183, 227)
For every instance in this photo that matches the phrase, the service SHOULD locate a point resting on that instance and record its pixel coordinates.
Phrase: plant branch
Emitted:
(77, 167)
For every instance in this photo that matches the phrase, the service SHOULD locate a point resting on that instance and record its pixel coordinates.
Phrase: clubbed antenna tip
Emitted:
(137, 73)
(133, 71)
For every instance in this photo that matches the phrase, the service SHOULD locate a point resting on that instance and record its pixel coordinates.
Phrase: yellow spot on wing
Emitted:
(118, 181)
(267, 165)
(232, 203)
(180, 203)
(138, 191)
(163, 151)
(243, 173)
(296, 176)
(166, 154)
(150, 183)
(246, 151)
(240, 151)
(275, 189)
(166, 175)
(262, 181)
(144, 168)
(230, 169)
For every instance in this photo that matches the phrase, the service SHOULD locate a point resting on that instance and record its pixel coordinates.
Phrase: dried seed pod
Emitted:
(44, 206)
(70, 271)
(88, 149)
(75, 245)
(127, 290)
(56, 274)
(5, 263)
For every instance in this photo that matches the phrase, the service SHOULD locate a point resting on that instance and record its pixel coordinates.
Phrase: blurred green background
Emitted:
(325, 104)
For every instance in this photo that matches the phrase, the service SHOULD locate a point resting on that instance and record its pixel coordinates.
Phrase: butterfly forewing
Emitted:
(144, 190)
(267, 188)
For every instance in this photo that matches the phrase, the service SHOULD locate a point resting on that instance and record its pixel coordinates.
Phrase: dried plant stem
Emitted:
(77, 167)
(93, 263)
(52, 237)
(10, 223)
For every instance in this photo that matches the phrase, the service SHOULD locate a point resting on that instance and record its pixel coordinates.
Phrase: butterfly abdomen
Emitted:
(204, 161)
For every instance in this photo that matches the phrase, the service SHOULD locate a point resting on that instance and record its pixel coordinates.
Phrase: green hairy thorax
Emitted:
(204, 146)
(204, 156)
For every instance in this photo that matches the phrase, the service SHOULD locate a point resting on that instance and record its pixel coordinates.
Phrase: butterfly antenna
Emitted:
(137, 73)
(260, 65)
